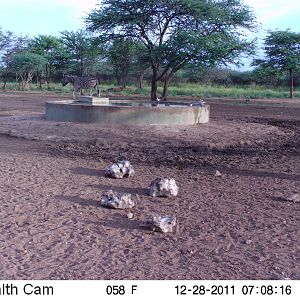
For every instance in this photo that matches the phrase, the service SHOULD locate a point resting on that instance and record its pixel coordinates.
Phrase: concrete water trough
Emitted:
(95, 110)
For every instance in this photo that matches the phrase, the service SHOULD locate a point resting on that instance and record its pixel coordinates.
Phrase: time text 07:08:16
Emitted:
(231, 290)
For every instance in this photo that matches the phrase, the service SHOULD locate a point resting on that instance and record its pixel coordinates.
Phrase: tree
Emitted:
(127, 59)
(25, 65)
(9, 45)
(120, 55)
(267, 75)
(102, 69)
(52, 49)
(6, 39)
(282, 53)
(82, 48)
(140, 63)
(176, 32)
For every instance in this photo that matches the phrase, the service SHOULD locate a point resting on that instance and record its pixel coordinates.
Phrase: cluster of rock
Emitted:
(159, 187)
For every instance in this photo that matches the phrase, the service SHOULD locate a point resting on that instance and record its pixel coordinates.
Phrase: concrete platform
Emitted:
(92, 100)
(126, 112)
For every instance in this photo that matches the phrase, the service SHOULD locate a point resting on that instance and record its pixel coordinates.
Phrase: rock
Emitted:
(200, 103)
(114, 171)
(248, 242)
(100, 142)
(293, 198)
(130, 215)
(280, 277)
(116, 200)
(163, 187)
(119, 170)
(160, 223)
(218, 173)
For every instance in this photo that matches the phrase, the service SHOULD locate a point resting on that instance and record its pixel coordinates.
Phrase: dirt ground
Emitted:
(236, 226)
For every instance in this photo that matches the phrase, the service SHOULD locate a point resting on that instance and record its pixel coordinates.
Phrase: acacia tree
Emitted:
(120, 55)
(52, 49)
(9, 45)
(127, 59)
(282, 53)
(175, 32)
(25, 65)
(82, 49)
(6, 39)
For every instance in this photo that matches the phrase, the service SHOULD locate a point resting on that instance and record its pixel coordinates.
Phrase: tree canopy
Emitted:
(25, 64)
(177, 32)
(53, 50)
(6, 39)
(81, 48)
(282, 53)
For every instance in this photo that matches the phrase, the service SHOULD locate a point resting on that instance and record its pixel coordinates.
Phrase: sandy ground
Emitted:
(236, 226)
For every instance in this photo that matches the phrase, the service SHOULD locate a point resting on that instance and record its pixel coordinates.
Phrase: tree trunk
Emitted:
(48, 76)
(291, 83)
(81, 67)
(124, 81)
(154, 85)
(40, 81)
(140, 80)
(119, 80)
(166, 86)
(28, 80)
(4, 80)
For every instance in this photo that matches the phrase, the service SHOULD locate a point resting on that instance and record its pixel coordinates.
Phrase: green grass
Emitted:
(205, 91)
(184, 89)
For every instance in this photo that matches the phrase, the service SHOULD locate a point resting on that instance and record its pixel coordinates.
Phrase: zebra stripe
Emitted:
(83, 82)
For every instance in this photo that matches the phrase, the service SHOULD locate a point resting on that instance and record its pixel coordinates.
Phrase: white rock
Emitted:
(160, 223)
(200, 103)
(130, 215)
(126, 163)
(116, 200)
(218, 173)
(293, 198)
(120, 169)
(163, 187)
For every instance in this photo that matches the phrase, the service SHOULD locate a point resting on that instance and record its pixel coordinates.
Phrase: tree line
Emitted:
(157, 41)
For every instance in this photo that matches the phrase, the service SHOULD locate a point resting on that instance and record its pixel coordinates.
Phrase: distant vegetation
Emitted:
(181, 89)
(183, 62)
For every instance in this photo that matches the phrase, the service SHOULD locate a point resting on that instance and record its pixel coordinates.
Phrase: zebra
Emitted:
(83, 82)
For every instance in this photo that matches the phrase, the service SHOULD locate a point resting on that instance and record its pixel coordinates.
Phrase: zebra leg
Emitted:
(76, 90)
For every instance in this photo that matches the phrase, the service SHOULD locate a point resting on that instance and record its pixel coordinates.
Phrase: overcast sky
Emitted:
(34, 17)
